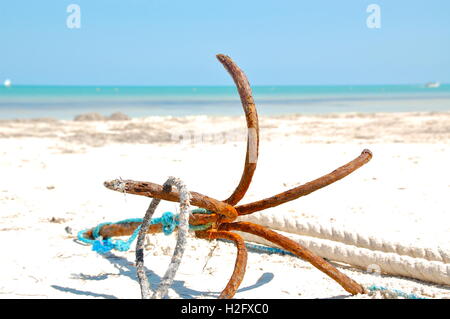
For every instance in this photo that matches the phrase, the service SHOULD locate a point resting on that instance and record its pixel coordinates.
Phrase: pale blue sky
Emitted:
(173, 42)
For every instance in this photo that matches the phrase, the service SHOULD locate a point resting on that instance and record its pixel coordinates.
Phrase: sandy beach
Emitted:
(51, 187)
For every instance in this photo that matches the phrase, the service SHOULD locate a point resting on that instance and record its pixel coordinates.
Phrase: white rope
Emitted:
(357, 250)
(390, 263)
(183, 230)
(298, 226)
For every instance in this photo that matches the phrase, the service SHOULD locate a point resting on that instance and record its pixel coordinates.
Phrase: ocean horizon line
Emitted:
(216, 86)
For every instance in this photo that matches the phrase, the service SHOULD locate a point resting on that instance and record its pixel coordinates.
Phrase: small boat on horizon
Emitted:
(432, 85)
(7, 83)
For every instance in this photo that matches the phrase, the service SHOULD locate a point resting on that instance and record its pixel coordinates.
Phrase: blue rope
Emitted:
(168, 220)
(397, 292)
(263, 249)
(268, 250)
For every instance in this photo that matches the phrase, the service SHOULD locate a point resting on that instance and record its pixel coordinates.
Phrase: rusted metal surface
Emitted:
(126, 229)
(241, 259)
(156, 191)
(251, 116)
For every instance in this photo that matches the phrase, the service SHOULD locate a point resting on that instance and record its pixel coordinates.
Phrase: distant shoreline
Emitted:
(367, 128)
(120, 116)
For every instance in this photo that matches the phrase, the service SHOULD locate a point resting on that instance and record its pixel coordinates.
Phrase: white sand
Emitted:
(57, 168)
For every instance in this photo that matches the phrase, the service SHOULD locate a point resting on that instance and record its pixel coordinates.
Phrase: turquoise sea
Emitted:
(65, 102)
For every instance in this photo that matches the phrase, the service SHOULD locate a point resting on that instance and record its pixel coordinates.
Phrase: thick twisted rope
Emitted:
(298, 226)
(183, 229)
(364, 258)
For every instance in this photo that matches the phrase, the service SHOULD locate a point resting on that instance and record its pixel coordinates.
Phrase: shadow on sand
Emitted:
(128, 269)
